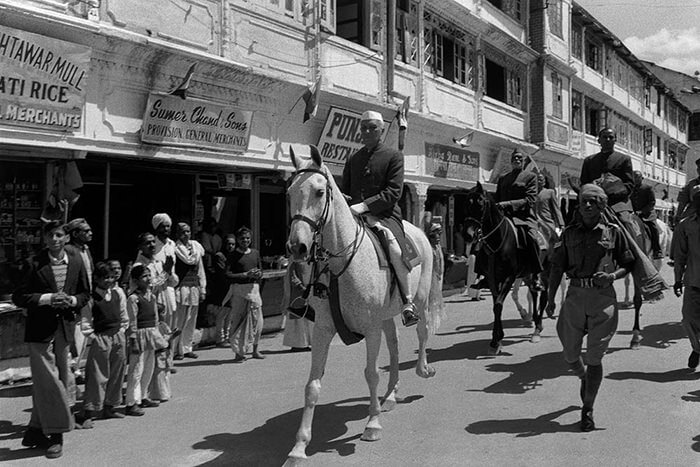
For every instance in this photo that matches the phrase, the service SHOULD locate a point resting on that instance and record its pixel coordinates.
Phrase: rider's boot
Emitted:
(409, 316)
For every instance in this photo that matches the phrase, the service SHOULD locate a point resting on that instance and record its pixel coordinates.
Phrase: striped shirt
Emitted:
(59, 267)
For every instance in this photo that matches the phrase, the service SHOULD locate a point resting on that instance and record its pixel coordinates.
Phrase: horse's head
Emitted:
(309, 195)
(476, 205)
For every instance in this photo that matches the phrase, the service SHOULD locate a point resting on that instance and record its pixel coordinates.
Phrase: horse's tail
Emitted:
(435, 309)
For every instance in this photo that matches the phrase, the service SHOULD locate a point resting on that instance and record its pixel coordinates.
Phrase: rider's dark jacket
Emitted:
(516, 192)
(375, 177)
(620, 165)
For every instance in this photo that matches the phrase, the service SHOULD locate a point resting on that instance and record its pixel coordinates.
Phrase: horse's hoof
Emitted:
(535, 338)
(294, 460)
(634, 345)
(427, 372)
(494, 350)
(371, 434)
(388, 405)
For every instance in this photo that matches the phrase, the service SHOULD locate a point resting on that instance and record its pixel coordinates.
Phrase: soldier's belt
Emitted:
(583, 282)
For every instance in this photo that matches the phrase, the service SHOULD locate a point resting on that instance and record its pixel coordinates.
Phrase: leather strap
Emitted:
(346, 335)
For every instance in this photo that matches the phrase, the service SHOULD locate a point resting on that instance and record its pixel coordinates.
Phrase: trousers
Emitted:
(141, 367)
(104, 371)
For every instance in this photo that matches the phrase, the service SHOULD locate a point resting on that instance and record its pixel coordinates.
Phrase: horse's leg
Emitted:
(515, 295)
(373, 430)
(422, 368)
(537, 313)
(626, 302)
(392, 342)
(499, 297)
(636, 329)
(319, 355)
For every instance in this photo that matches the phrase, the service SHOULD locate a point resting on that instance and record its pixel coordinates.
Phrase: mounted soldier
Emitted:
(373, 180)
(516, 195)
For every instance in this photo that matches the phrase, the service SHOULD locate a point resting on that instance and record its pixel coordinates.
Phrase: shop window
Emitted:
(557, 103)
(577, 41)
(512, 8)
(593, 56)
(555, 17)
(360, 21)
(21, 202)
(577, 110)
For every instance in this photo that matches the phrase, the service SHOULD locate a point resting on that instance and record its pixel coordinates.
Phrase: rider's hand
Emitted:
(678, 288)
(359, 208)
(558, 231)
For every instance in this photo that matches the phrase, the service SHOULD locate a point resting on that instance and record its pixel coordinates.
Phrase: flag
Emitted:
(465, 140)
(311, 99)
(402, 117)
(66, 179)
(181, 90)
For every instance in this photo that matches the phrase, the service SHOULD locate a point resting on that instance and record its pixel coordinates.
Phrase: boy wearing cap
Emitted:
(373, 179)
(687, 272)
(593, 253)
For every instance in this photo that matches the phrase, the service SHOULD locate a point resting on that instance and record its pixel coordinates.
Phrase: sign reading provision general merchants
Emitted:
(341, 135)
(43, 81)
(170, 120)
(450, 162)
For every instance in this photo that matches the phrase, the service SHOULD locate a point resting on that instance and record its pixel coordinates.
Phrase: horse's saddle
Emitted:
(522, 238)
(409, 251)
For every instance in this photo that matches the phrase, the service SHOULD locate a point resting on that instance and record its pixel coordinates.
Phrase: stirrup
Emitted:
(408, 315)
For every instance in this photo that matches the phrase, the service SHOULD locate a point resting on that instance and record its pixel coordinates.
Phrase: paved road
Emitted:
(520, 408)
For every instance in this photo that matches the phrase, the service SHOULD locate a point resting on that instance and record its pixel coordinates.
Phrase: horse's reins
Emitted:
(482, 239)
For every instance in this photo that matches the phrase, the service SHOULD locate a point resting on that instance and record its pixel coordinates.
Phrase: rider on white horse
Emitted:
(373, 179)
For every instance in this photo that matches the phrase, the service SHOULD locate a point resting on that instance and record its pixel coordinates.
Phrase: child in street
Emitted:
(104, 325)
(144, 339)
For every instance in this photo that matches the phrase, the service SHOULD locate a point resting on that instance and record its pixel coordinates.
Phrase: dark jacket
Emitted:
(643, 201)
(516, 192)
(43, 321)
(375, 177)
(617, 164)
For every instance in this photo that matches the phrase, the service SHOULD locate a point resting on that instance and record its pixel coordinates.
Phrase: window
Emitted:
(593, 56)
(673, 114)
(694, 127)
(619, 124)
(407, 32)
(557, 103)
(659, 101)
(620, 73)
(682, 121)
(658, 147)
(647, 96)
(636, 138)
(495, 80)
(596, 117)
(577, 40)
(609, 62)
(449, 51)
(510, 7)
(554, 14)
(359, 21)
(577, 110)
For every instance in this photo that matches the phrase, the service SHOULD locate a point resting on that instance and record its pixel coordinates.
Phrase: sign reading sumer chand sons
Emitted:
(43, 81)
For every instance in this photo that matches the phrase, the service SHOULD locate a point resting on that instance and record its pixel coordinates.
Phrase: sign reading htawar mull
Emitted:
(170, 120)
(341, 135)
(43, 81)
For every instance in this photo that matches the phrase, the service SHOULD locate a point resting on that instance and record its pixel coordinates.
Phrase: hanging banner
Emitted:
(451, 162)
(341, 135)
(43, 81)
(171, 120)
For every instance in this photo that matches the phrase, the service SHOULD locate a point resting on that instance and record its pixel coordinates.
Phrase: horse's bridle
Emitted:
(480, 238)
(318, 224)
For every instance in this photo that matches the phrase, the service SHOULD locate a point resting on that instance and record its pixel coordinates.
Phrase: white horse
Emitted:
(322, 222)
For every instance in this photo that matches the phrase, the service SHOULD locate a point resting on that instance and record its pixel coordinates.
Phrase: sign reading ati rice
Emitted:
(43, 81)
(450, 162)
(170, 120)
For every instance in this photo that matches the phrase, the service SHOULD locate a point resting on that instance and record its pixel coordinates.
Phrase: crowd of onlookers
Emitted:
(132, 322)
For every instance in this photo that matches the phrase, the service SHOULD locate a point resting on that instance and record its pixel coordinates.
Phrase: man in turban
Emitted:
(165, 253)
(593, 253)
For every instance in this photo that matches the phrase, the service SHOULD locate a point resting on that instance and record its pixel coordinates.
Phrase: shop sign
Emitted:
(43, 81)
(341, 135)
(450, 162)
(170, 120)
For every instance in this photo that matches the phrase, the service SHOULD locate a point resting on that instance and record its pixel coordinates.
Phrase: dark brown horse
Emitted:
(487, 226)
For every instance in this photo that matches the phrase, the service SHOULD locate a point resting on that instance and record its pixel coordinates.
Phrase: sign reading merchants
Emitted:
(341, 135)
(170, 120)
(43, 81)
(450, 162)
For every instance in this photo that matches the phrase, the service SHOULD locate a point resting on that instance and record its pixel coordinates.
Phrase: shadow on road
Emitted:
(681, 374)
(526, 376)
(526, 427)
(660, 336)
(466, 329)
(693, 396)
(9, 430)
(269, 444)
(695, 446)
(23, 390)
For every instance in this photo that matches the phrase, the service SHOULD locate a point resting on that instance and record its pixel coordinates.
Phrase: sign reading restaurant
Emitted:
(170, 120)
(43, 81)
(341, 135)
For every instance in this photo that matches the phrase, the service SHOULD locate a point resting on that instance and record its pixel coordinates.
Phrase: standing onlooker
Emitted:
(165, 253)
(104, 324)
(80, 234)
(144, 339)
(547, 208)
(211, 242)
(593, 253)
(191, 289)
(53, 291)
(245, 272)
(298, 330)
(218, 287)
(687, 272)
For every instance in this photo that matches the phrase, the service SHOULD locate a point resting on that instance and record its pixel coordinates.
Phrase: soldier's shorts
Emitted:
(587, 311)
